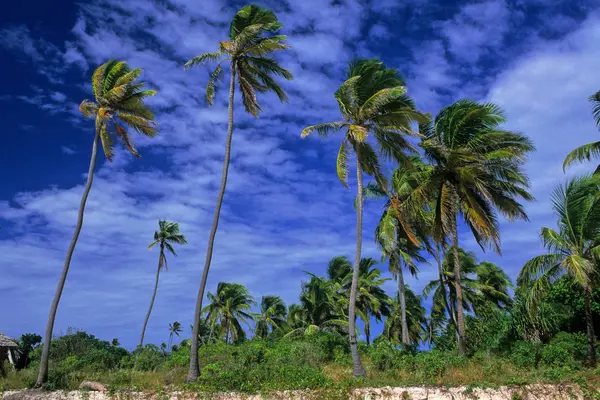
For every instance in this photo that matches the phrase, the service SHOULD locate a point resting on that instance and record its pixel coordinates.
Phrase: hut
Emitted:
(8, 347)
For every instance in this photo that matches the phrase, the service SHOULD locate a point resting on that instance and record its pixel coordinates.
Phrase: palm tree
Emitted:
(119, 102)
(230, 307)
(397, 229)
(174, 330)
(414, 322)
(476, 172)
(252, 40)
(166, 235)
(573, 250)
(372, 100)
(371, 299)
(590, 150)
(272, 315)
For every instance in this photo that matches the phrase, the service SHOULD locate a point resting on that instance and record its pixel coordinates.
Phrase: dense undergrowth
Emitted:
(319, 361)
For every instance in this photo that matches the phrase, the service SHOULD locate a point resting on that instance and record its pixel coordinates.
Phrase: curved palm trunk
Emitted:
(589, 322)
(358, 369)
(194, 367)
(43, 374)
(160, 257)
(401, 294)
(460, 314)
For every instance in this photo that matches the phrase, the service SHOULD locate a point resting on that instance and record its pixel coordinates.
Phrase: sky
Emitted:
(285, 212)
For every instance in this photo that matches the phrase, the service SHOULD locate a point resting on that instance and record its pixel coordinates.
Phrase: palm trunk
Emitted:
(460, 315)
(589, 322)
(160, 257)
(368, 330)
(358, 369)
(43, 374)
(194, 367)
(401, 295)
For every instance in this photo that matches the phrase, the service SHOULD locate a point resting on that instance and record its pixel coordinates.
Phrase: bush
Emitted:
(148, 358)
(525, 354)
(565, 349)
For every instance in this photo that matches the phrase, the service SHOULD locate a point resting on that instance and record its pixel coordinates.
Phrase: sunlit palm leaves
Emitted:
(415, 316)
(590, 150)
(119, 104)
(252, 41)
(167, 235)
(271, 316)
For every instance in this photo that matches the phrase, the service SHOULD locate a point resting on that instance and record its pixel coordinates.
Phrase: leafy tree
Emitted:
(229, 307)
(272, 315)
(590, 150)
(27, 343)
(174, 330)
(166, 235)
(476, 172)
(373, 101)
(252, 40)
(573, 250)
(119, 102)
(415, 322)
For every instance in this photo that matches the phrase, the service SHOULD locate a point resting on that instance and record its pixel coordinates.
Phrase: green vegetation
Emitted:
(461, 165)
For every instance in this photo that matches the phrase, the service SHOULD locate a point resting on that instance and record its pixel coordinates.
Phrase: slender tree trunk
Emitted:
(368, 330)
(43, 374)
(357, 367)
(194, 367)
(402, 295)
(589, 322)
(460, 315)
(160, 256)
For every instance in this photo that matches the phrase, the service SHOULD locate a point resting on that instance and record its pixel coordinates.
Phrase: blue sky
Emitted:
(284, 211)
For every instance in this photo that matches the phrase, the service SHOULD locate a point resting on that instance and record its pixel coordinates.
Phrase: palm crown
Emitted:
(272, 315)
(165, 236)
(252, 39)
(230, 306)
(119, 102)
(372, 100)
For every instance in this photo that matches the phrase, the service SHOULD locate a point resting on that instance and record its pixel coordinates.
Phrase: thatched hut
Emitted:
(7, 349)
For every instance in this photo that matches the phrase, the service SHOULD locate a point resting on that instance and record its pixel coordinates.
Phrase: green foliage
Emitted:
(565, 350)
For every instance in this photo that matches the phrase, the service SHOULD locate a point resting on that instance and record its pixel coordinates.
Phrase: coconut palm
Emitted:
(229, 307)
(174, 330)
(118, 104)
(166, 235)
(271, 316)
(573, 250)
(252, 40)
(396, 225)
(590, 150)
(476, 173)
(373, 101)
(414, 322)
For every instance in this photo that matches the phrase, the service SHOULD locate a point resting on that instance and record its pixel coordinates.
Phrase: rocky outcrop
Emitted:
(530, 392)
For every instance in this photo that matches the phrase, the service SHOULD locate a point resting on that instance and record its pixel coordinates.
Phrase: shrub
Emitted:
(148, 358)
(565, 349)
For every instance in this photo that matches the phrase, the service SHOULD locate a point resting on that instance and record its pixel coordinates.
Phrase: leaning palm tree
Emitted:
(174, 330)
(414, 322)
(476, 172)
(166, 235)
(372, 101)
(590, 150)
(271, 316)
(252, 41)
(119, 103)
(229, 307)
(573, 250)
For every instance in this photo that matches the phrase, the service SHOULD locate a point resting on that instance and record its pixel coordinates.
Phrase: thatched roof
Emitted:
(5, 341)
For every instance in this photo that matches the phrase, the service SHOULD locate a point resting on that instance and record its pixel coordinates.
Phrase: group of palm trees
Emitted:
(468, 168)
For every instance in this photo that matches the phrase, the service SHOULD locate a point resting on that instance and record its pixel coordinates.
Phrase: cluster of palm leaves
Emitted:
(454, 174)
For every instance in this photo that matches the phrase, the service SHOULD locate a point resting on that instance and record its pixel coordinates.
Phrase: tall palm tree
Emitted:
(119, 103)
(252, 41)
(396, 227)
(271, 316)
(166, 235)
(574, 249)
(174, 330)
(590, 150)
(230, 307)
(373, 101)
(476, 172)
(414, 322)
